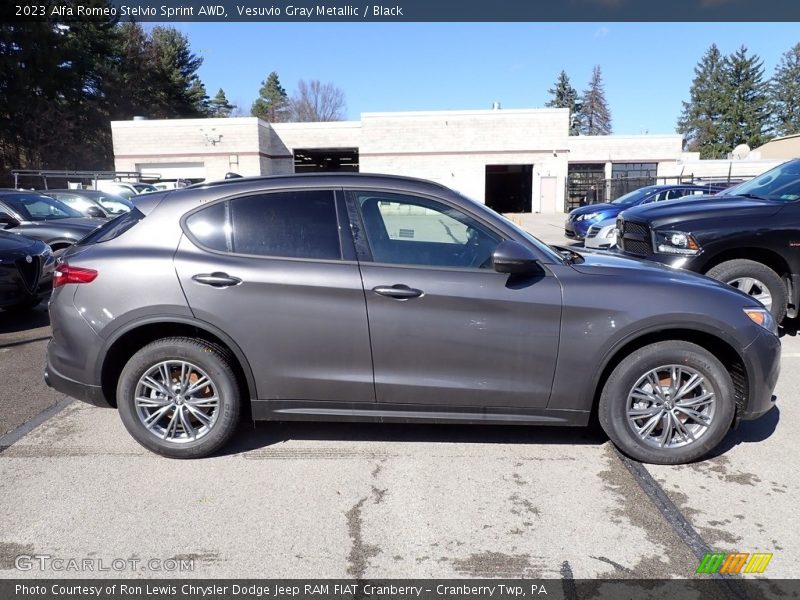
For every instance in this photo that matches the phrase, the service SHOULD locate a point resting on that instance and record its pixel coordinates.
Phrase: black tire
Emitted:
(732, 270)
(612, 410)
(215, 362)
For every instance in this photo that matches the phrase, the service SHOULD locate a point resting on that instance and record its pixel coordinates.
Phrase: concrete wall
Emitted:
(450, 147)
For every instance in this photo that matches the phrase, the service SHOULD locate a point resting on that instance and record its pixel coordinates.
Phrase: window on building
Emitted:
(580, 177)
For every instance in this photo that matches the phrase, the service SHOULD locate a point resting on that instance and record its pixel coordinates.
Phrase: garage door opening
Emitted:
(321, 160)
(509, 188)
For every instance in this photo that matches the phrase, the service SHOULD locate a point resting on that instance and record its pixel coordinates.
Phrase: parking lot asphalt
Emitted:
(365, 500)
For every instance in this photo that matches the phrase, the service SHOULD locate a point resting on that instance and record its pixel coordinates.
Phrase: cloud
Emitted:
(601, 33)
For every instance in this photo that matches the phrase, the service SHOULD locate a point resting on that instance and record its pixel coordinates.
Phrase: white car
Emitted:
(602, 235)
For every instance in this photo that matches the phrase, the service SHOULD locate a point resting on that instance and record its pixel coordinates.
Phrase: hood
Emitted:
(681, 210)
(12, 241)
(590, 208)
(611, 263)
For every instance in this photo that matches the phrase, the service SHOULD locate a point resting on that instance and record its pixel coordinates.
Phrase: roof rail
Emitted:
(237, 180)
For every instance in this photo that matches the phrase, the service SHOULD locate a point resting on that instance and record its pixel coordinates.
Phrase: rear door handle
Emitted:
(217, 279)
(397, 291)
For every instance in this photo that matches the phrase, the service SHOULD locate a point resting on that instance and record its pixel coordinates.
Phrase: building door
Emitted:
(547, 195)
(509, 188)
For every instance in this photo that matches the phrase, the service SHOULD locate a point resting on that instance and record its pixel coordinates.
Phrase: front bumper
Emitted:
(762, 360)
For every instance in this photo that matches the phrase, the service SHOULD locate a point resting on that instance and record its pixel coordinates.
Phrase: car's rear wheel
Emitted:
(667, 403)
(179, 398)
(756, 280)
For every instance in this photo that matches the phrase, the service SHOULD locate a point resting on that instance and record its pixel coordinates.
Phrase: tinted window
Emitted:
(417, 231)
(210, 227)
(298, 224)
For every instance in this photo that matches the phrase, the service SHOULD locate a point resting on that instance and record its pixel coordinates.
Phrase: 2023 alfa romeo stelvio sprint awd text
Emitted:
(377, 298)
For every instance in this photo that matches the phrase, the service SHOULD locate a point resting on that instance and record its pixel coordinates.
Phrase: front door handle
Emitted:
(217, 279)
(397, 291)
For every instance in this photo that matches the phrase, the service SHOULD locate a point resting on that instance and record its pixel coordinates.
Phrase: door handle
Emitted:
(397, 291)
(216, 279)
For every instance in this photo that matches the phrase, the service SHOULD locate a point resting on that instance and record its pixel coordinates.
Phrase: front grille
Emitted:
(633, 238)
(29, 272)
(593, 231)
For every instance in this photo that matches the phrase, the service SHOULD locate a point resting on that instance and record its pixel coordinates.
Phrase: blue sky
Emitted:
(647, 67)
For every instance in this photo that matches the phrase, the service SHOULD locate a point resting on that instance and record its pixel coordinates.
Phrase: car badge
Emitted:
(29, 259)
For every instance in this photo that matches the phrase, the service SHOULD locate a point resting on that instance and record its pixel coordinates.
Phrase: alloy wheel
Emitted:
(671, 406)
(177, 401)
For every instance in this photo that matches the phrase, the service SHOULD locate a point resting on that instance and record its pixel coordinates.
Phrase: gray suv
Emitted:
(379, 298)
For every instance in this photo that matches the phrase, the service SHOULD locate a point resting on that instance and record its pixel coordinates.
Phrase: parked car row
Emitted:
(747, 236)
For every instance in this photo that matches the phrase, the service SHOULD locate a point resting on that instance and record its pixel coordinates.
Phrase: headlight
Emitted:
(610, 232)
(587, 216)
(762, 317)
(676, 242)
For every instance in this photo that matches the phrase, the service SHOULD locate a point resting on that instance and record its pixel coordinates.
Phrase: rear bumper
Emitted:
(763, 363)
(91, 394)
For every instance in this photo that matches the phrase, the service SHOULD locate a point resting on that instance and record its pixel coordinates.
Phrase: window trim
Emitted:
(363, 249)
(335, 192)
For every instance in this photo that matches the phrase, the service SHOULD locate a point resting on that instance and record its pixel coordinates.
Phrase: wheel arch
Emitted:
(719, 347)
(132, 337)
(768, 258)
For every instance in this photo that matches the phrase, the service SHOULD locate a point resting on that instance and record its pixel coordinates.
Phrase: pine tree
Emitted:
(745, 119)
(785, 94)
(178, 91)
(700, 120)
(219, 106)
(595, 117)
(566, 96)
(272, 103)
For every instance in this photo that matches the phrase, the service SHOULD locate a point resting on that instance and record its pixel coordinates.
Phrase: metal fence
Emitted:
(607, 190)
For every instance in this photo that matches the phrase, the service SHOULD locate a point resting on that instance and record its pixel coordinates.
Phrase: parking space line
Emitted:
(729, 587)
(12, 437)
(790, 354)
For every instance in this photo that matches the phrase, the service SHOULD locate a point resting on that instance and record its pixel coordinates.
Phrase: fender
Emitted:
(184, 319)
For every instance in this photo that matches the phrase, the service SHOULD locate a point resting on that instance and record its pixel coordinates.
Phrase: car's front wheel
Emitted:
(667, 403)
(179, 398)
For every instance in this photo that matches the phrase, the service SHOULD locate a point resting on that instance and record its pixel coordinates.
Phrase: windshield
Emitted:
(633, 197)
(781, 184)
(39, 208)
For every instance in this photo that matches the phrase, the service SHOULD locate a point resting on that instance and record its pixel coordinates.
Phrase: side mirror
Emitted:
(95, 212)
(7, 221)
(515, 258)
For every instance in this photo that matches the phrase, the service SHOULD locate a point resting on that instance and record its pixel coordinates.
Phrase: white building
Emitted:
(514, 160)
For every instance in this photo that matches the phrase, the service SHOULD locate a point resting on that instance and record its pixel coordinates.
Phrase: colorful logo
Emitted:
(734, 563)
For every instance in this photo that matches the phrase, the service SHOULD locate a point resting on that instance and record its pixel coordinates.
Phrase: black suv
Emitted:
(747, 236)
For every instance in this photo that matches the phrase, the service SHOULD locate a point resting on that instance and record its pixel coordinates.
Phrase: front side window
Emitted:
(410, 230)
(296, 224)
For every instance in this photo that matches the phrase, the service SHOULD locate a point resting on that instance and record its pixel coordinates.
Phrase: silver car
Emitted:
(602, 235)
(378, 298)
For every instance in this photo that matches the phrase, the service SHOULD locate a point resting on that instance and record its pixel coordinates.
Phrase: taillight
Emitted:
(65, 273)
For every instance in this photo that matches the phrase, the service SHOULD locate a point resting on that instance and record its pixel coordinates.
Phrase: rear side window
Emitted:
(113, 228)
(297, 224)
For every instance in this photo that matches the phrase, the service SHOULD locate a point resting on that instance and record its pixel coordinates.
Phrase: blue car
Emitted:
(581, 219)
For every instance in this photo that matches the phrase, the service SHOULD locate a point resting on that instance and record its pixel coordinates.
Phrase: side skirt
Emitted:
(310, 410)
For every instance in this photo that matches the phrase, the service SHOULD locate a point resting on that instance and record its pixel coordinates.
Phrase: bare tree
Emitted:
(316, 101)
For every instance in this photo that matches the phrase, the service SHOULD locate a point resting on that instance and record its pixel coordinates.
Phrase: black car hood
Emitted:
(13, 241)
(680, 209)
